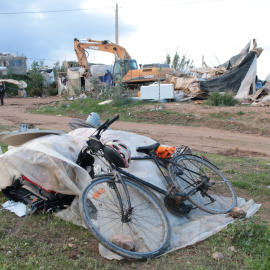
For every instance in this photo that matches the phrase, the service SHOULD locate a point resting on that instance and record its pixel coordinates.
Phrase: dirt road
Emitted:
(205, 139)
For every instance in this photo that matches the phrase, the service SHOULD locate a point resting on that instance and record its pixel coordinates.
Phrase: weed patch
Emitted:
(252, 237)
(240, 113)
(217, 99)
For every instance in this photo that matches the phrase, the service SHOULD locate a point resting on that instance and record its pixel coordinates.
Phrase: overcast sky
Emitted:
(148, 29)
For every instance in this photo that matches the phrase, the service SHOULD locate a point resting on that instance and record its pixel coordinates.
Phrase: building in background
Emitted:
(14, 64)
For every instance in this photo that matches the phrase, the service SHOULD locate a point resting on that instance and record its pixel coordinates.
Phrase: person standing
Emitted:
(2, 92)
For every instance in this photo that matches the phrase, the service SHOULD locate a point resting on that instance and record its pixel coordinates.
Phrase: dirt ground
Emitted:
(210, 138)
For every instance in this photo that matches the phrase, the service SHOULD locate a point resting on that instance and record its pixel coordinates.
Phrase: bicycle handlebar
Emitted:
(113, 120)
(93, 143)
(105, 125)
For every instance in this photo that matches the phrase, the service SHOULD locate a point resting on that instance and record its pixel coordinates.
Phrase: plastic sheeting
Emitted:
(267, 78)
(107, 78)
(236, 59)
(100, 70)
(50, 162)
(248, 81)
(20, 84)
(232, 80)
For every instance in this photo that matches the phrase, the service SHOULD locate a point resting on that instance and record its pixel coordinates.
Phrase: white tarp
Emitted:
(249, 79)
(50, 162)
(20, 84)
(267, 78)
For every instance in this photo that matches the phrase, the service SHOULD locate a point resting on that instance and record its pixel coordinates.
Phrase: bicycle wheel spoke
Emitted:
(145, 221)
(214, 193)
(108, 206)
(147, 233)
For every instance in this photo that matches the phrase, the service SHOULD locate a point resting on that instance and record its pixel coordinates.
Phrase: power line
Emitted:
(84, 9)
(44, 59)
(49, 11)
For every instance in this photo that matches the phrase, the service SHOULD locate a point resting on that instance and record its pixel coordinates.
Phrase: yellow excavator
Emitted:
(125, 69)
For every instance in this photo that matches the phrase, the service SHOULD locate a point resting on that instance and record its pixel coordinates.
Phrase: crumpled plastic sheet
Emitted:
(50, 162)
(16, 207)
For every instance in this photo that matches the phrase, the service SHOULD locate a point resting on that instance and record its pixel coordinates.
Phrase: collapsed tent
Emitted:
(236, 59)
(49, 161)
(240, 75)
(233, 80)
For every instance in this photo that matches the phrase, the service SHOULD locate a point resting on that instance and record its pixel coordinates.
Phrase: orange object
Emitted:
(98, 193)
(165, 152)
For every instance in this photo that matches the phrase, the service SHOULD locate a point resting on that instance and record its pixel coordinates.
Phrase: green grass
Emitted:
(248, 174)
(128, 110)
(4, 147)
(144, 112)
(4, 128)
(252, 238)
(81, 108)
(264, 120)
(240, 113)
(222, 115)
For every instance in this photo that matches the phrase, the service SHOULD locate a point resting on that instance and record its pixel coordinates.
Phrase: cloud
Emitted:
(51, 35)
(147, 29)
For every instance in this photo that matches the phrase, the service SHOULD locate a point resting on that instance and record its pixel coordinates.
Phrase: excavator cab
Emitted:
(121, 68)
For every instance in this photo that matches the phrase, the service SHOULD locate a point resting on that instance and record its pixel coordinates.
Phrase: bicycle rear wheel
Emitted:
(147, 223)
(216, 196)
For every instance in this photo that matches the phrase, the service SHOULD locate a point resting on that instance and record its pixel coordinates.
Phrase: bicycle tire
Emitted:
(149, 225)
(216, 197)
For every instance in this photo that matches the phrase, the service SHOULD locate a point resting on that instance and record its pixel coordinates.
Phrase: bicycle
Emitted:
(122, 204)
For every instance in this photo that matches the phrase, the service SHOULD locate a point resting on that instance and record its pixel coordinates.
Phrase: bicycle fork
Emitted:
(125, 213)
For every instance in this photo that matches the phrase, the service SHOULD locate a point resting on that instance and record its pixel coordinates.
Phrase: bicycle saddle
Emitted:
(148, 148)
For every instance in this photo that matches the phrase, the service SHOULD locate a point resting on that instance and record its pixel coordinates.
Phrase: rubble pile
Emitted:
(237, 75)
(187, 84)
(262, 96)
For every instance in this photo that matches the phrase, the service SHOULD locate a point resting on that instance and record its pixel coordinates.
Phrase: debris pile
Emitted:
(262, 96)
(237, 75)
(187, 84)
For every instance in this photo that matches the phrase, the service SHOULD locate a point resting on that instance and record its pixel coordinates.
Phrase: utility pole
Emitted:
(116, 24)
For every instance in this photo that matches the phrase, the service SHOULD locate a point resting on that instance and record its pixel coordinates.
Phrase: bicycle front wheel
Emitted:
(145, 224)
(215, 195)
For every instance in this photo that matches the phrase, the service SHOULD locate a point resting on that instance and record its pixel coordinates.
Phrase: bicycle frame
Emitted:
(166, 177)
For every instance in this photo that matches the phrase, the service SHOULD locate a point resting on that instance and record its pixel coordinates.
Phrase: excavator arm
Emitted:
(125, 68)
(98, 45)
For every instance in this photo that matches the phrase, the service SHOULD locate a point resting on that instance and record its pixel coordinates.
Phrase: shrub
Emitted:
(53, 91)
(218, 99)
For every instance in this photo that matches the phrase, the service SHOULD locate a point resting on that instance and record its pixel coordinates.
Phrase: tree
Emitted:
(175, 61)
(35, 79)
(181, 63)
(168, 59)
